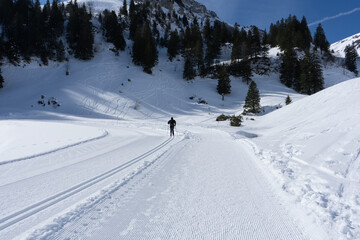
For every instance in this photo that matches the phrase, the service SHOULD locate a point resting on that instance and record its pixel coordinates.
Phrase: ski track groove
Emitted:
(105, 134)
(42, 205)
(194, 217)
(116, 199)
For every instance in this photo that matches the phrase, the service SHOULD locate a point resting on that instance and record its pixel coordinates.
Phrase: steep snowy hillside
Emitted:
(312, 146)
(339, 46)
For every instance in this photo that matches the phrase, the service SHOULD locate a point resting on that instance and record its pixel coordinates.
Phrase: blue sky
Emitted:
(340, 19)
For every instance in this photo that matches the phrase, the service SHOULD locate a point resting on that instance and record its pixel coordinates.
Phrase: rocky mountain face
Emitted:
(190, 8)
(184, 6)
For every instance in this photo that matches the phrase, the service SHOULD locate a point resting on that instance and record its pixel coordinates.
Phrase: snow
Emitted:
(102, 165)
(314, 150)
(339, 47)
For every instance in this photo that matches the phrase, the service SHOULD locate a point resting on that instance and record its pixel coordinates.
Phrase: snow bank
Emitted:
(313, 147)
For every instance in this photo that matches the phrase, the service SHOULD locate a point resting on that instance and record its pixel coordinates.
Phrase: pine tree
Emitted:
(6, 12)
(138, 47)
(123, 9)
(133, 20)
(288, 67)
(144, 48)
(288, 100)
(320, 40)
(255, 42)
(199, 57)
(56, 19)
(112, 30)
(189, 71)
(173, 45)
(223, 86)
(1, 80)
(207, 31)
(236, 48)
(84, 48)
(311, 77)
(213, 46)
(80, 32)
(60, 51)
(246, 72)
(305, 41)
(252, 101)
(350, 58)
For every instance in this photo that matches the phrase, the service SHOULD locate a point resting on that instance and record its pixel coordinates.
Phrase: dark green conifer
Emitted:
(134, 21)
(236, 48)
(246, 71)
(288, 67)
(84, 48)
(173, 45)
(252, 101)
(288, 100)
(320, 40)
(123, 9)
(56, 19)
(305, 40)
(60, 51)
(144, 48)
(112, 30)
(6, 12)
(311, 77)
(150, 54)
(350, 58)
(223, 86)
(189, 71)
(255, 42)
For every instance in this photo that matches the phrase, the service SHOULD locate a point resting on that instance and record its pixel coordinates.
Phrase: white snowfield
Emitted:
(102, 165)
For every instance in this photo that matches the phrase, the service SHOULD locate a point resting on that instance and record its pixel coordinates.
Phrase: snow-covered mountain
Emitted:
(190, 8)
(339, 47)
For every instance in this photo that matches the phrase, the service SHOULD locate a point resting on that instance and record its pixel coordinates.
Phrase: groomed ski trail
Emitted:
(191, 192)
(86, 169)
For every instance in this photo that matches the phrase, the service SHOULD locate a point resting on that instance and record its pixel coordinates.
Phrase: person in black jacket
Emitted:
(172, 123)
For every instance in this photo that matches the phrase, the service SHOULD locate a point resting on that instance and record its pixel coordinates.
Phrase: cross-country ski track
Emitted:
(147, 186)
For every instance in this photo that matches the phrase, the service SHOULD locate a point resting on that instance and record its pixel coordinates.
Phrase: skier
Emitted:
(172, 123)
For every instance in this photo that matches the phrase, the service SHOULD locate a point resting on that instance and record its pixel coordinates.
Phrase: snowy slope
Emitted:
(313, 148)
(339, 46)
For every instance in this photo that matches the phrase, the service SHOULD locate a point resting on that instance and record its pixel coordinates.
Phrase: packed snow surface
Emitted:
(101, 164)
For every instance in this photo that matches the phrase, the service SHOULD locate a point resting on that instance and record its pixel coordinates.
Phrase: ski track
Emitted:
(175, 198)
(105, 134)
(23, 214)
